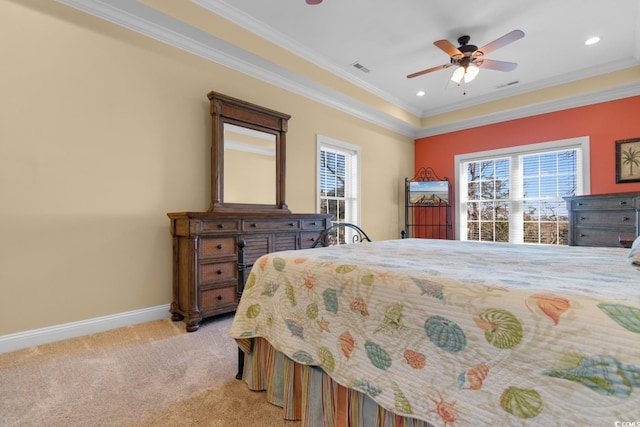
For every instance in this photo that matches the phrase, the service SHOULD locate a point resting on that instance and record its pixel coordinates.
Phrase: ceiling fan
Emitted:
(469, 58)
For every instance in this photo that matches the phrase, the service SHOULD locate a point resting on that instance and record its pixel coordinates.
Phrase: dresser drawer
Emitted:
(596, 237)
(217, 271)
(313, 224)
(602, 203)
(308, 238)
(218, 225)
(217, 298)
(270, 225)
(217, 247)
(606, 218)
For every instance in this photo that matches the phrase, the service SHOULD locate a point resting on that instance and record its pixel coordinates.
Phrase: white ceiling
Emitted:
(395, 38)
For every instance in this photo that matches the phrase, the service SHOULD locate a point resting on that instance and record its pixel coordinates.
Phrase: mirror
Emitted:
(249, 165)
(247, 156)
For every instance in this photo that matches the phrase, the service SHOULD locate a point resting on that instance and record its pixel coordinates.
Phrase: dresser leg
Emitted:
(193, 326)
(174, 309)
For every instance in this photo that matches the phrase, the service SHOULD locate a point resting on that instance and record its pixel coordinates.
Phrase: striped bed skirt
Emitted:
(308, 394)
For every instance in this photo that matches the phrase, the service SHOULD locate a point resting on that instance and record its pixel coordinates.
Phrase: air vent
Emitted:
(360, 67)
(515, 82)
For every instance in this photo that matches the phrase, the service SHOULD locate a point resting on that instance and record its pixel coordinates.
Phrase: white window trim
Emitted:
(584, 168)
(325, 141)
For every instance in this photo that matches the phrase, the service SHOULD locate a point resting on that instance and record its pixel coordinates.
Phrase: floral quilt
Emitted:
(459, 333)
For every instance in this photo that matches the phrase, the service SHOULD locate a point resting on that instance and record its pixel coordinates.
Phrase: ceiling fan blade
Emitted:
(496, 65)
(500, 42)
(449, 49)
(429, 70)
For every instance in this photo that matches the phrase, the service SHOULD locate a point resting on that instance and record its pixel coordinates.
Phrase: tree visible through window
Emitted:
(338, 180)
(518, 197)
(488, 200)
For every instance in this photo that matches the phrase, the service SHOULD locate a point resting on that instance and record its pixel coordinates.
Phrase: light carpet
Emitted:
(150, 374)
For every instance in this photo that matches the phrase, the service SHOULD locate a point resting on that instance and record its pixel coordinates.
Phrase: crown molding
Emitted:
(151, 23)
(539, 85)
(611, 94)
(165, 29)
(272, 35)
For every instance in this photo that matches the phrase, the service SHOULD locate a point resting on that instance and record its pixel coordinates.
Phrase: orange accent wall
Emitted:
(603, 123)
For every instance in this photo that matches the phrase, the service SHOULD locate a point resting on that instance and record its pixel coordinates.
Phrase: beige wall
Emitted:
(105, 131)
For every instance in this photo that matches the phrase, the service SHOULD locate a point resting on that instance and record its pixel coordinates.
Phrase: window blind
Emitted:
(338, 181)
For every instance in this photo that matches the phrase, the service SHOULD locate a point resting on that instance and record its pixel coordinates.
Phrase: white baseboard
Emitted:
(64, 331)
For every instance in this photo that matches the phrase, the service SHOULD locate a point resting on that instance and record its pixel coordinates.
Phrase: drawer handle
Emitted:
(219, 272)
(623, 202)
(625, 218)
(220, 225)
(291, 224)
(219, 246)
(579, 203)
(314, 223)
(582, 218)
(219, 297)
(582, 235)
(254, 225)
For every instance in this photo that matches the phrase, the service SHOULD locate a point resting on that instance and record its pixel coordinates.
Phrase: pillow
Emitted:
(634, 253)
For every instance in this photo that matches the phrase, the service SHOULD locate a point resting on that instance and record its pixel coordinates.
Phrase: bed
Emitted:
(419, 332)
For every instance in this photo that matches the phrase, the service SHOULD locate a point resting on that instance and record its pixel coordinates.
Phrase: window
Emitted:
(338, 179)
(516, 194)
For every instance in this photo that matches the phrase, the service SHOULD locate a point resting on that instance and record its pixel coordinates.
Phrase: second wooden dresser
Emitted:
(598, 220)
(205, 255)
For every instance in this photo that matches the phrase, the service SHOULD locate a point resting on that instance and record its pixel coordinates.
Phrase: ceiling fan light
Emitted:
(457, 75)
(471, 73)
(468, 73)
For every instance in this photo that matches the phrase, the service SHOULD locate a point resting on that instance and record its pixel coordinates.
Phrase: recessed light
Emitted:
(592, 40)
(420, 93)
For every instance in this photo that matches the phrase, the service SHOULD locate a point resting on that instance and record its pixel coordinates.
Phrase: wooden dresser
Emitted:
(249, 141)
(205, 255)
(598, 220)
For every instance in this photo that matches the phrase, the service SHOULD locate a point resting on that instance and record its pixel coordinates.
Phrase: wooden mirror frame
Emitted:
(225, 109)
